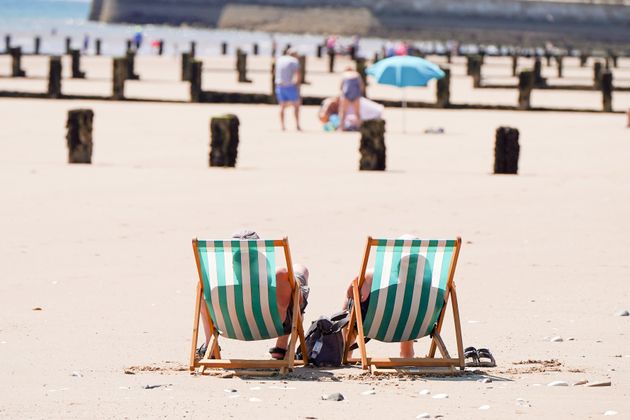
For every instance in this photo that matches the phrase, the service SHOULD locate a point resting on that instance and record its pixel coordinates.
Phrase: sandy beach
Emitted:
(104, 252)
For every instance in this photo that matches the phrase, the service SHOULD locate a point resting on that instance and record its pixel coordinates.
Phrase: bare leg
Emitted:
(296, 110)
(356, 105)
(343, 110)
(283, 105)
(406, 349)
(283, 300)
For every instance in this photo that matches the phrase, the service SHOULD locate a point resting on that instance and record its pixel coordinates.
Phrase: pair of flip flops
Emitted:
(479, 357)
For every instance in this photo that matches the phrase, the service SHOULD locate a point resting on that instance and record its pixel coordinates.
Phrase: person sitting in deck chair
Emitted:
(283, 299)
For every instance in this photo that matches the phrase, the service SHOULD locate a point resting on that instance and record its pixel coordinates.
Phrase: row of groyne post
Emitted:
(529, 79)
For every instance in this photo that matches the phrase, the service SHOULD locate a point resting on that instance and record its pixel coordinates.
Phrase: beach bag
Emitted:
(325, 340)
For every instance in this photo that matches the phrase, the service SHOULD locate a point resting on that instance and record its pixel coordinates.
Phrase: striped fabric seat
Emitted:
(409, 288)
(239, 287)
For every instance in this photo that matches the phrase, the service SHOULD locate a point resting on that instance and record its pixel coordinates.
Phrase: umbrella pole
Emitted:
(404, 108)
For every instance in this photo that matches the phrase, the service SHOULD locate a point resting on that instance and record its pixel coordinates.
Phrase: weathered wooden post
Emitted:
(597, 75)
(193, 49)
(186, 60)
(129, 45)
(68, 45)
(160, 47)
(514, 64)
(97, 46)
(196, 70)
(76, 64)
(272, 97)
(255, 49)
(443, 91)
(120, 75)
(318, 50)
(7, 44)
(37, 46)
(539, 81)
(469, 65)
(506, 150)
(525, 86)
(302, 61)
(79, 135)
(361, 67)
(559, 65)
(607, 63)
(131, 66)
(241, 66)
(54, 77)
(475, 70)
(548, 58)
(16, 58)
(224, 140)
(583, 59)
(613, 57)
(331, 60)
(607, 89)
(352, 51)
(376, 58)
(224, 48)
(449, 57)
(372, 148)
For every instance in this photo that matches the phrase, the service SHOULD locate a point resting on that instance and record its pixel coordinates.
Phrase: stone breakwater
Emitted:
(479, 20)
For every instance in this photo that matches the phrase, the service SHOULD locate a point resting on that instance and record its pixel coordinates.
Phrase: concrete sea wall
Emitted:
(604, 20)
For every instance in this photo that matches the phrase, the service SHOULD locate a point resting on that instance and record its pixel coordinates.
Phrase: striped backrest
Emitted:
(239, 286)
(408, 288)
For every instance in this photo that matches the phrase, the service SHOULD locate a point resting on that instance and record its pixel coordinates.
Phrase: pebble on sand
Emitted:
(423, 416)
(485, 380)
(77, 374)
(424, 392)
(623, 313)
(333, 397)
(599, 384)
(440, 396)
(556, 339)
(558, 383)
(369, 392)
(230, 390)
(610, 413)
(582, 382)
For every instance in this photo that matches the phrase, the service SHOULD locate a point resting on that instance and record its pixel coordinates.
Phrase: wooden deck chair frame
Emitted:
(355, 327)
(212, 358)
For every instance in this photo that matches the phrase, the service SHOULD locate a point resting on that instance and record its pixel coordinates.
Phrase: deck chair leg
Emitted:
(440, 345)
(290, 356)
(458, 328)
(195, 332)
(350, 336)
(357, 310)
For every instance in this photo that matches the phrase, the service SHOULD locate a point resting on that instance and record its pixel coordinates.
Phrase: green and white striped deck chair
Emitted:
(237, 283)
(411, 286)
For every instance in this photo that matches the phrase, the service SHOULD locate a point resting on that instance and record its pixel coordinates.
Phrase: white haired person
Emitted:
(283, 300)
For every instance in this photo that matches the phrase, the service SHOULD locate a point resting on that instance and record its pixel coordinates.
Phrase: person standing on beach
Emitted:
(351, 92)
(288, 85)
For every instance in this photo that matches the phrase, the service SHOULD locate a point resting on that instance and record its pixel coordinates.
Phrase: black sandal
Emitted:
(471, 353)
(277, 350)
(489, 358)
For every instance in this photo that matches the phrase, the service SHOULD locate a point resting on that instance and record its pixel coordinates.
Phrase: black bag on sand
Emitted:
(325, 340)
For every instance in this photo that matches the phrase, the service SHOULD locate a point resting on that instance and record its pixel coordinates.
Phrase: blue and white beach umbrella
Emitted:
(403, 71)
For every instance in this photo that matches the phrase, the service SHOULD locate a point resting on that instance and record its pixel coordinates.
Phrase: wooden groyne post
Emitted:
(302, 61)
(224, 139)
(37, 43)
(241, 66)
(372, 148)
(186, 60)
(97, 46)
(443, 91)
(79, 135)
(525, 86)
(597, 75)
(119, 76)
(559, 65)
(506, 150)
(539, 81)
(76, 64)
(16, 62)
(514, 64)
(54, 77)
(131, 66)
(68, 45)
(196, 70)
(607, 90)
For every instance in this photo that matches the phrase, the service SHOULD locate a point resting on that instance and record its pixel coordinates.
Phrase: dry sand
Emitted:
(104, 251)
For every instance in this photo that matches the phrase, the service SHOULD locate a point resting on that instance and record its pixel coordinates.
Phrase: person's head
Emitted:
(302, 272)
(291, 52)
